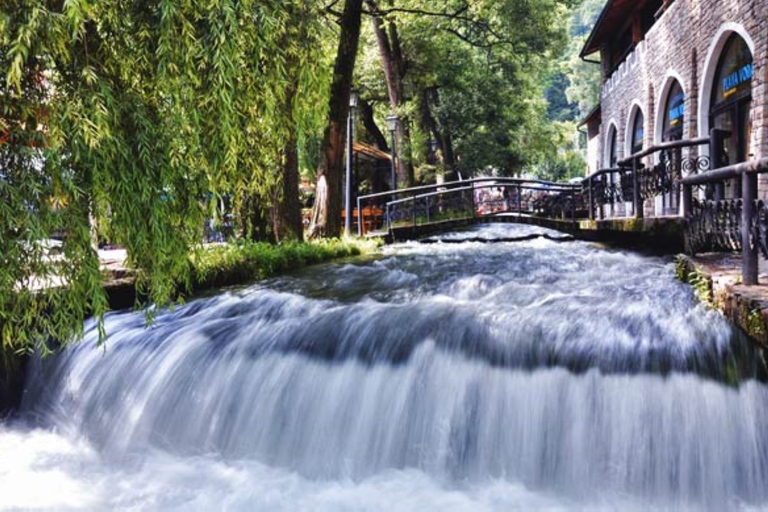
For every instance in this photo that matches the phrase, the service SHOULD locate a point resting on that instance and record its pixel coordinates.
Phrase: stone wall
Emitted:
(684, 44)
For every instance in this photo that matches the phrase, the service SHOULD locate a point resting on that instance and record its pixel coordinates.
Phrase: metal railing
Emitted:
(632, 182)
(712, 221)
(718, 223)
(468, 199)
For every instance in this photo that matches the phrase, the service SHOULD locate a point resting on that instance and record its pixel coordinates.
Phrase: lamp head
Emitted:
(392, 122)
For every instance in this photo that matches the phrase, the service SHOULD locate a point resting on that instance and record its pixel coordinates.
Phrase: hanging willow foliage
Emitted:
(123, 118)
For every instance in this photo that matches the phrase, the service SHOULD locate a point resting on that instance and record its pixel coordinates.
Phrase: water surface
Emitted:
(541, 374)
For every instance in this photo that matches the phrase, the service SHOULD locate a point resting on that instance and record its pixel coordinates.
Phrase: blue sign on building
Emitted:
(739, 77)
(676, 109)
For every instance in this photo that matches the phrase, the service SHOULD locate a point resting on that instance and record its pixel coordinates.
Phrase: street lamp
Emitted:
(353, 99)
(392, 127)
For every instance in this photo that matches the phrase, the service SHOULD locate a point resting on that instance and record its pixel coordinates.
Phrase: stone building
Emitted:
(674, 70)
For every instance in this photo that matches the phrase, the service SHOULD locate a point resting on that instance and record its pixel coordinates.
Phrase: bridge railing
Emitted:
(625, 188)
(486, 196)
(717, 223)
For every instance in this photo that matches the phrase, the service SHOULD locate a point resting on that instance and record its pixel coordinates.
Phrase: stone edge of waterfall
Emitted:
(717, 280)
(654, 236)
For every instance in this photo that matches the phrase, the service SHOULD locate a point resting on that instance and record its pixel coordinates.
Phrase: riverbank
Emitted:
(217, 265)
(211, 266)
(717, 280)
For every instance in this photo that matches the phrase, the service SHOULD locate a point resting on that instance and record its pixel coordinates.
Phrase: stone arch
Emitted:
(710, 68)
(658, 124)
(636, 107)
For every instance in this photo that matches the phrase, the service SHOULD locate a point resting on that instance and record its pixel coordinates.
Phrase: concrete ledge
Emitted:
(717, 279)
(660, 235)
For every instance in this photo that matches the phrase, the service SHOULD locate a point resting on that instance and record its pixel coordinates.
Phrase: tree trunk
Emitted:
(443, 136)
(393, 64)
(326, 214)
(254, 218)
(371, 128)
(428, 127)
(287, 215)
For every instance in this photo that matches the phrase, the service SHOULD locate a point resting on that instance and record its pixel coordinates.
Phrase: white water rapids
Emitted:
(535, 375)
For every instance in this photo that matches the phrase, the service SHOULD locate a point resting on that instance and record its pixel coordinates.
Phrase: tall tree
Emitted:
(326, 218)
(394, 65)
(475, 70)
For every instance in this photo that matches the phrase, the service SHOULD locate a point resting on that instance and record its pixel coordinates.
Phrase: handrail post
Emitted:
(413, 211)
(717, 158)
(519, 200)
(687, 201)
(359, 218)
(636, 201)
(613, 208)
(591, 200)
(601, 210)
(573, 206)
(748, 251)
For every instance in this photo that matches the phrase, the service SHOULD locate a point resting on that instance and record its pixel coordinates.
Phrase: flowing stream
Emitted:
(530, 375)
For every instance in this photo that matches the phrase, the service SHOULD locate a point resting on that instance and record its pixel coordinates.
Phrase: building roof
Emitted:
(614, 15)
(595, 113)
(365, 150)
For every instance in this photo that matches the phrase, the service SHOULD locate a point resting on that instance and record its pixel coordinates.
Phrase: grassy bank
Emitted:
(211, 267)
(243, 262)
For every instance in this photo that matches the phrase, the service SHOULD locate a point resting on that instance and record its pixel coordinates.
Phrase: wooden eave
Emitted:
(613, 17)
(361, 148)
(594, 114)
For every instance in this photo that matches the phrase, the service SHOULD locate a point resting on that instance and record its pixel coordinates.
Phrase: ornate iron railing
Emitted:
(469, 198)
(634, 182)
(759, 227)
(485, 196)
(714, 226)
(728, 224)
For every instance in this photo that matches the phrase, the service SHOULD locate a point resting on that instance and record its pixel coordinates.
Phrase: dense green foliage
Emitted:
(583, 77)
(130, 113)
(482, 72)
(126, 121)
(249, 261)
(572, 92)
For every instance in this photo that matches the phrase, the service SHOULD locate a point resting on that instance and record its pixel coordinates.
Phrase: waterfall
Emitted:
(470, 376)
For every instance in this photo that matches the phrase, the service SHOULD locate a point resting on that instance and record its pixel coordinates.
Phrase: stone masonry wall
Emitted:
(678, 46)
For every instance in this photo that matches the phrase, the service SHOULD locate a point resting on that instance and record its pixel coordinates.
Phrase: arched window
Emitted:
(732, 98)
(674, 114)
(672, 129)
(638, 132)
(612, 156)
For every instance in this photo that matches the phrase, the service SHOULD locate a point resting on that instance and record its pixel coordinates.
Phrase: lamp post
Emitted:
(433, 150)
(353, 98)
(392, 127)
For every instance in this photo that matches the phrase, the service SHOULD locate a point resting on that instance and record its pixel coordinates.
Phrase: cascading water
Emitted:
(470, 376)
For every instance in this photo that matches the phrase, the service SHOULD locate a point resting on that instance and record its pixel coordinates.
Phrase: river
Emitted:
(457, 375)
